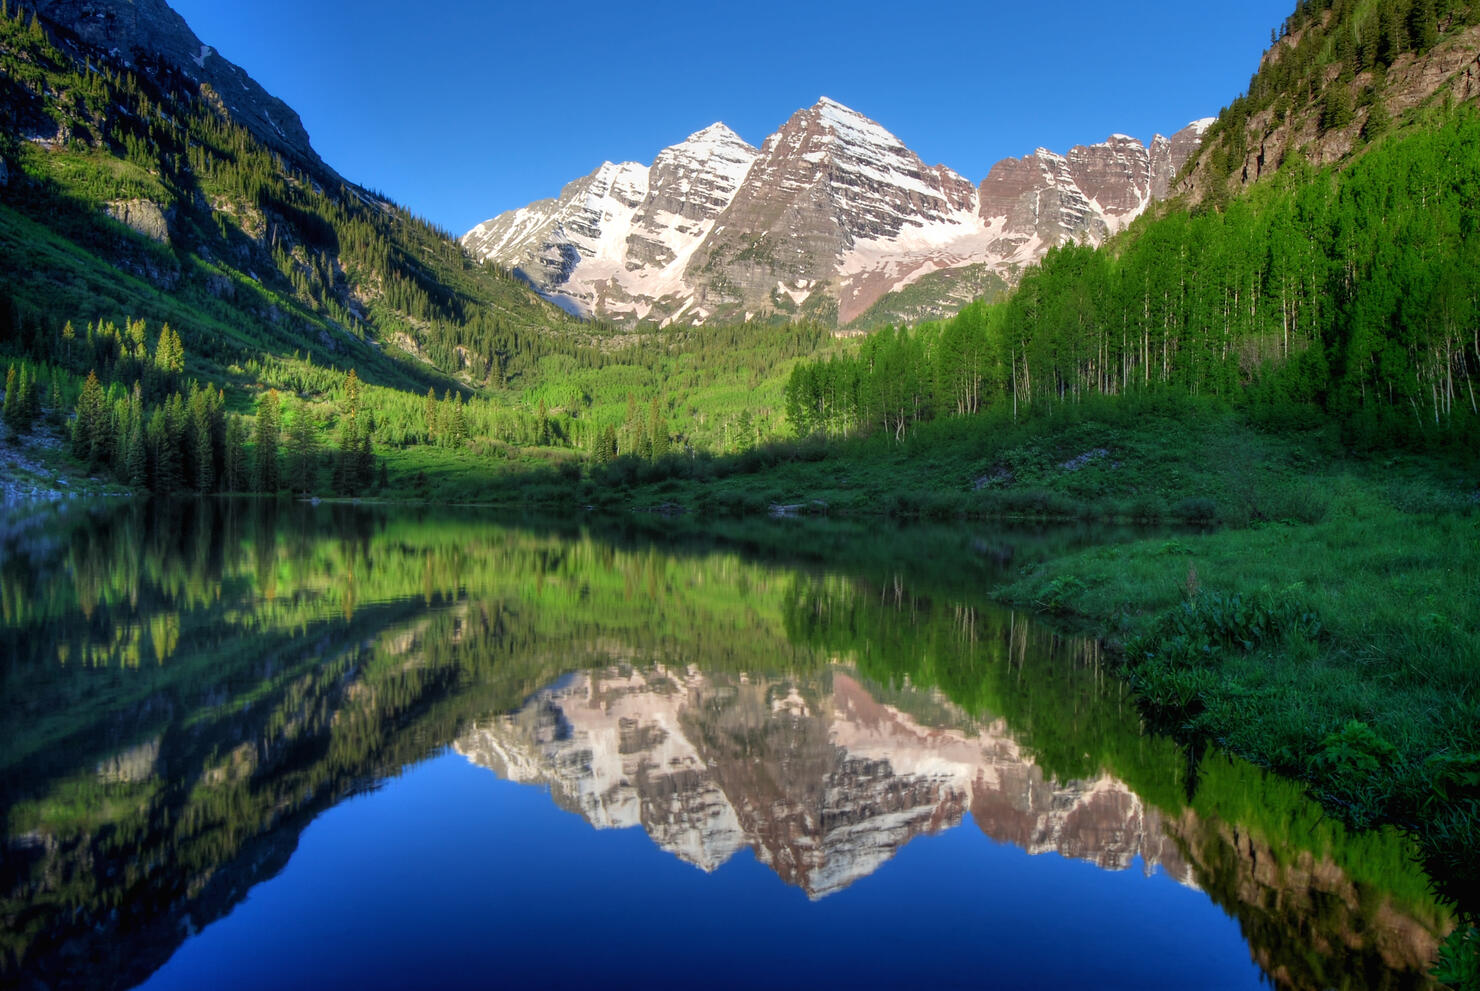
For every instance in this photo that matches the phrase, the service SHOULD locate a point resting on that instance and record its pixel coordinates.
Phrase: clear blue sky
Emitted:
(461, 109)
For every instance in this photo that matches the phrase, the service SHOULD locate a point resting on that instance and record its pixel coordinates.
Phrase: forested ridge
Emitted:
(301, 260)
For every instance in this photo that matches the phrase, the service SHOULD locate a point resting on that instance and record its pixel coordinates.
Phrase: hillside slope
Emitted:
(1339, 74)
(144, 176)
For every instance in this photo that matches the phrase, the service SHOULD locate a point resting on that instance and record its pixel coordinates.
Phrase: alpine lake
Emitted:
(247, 745)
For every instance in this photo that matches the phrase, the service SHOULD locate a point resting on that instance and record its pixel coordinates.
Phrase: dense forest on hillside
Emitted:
(310, 265)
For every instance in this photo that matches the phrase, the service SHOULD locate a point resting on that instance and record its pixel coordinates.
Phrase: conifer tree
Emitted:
(1392, 34)
(354, 460)
(459, 428)
(657, 430)
(30, 398)
(135, 453)
(202, 439)
(90, 435)
(1423, 25)
(235, 472)
(302, 450)
(265, 475)
(168, 440)
(1336, 111)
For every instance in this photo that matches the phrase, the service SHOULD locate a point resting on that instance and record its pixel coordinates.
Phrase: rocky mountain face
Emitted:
(820, 780)
(1289, 106)
(832, 213)
(623, 236)
(142, 33)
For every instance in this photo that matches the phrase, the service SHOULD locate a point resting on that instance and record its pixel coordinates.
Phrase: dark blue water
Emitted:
(448, 875)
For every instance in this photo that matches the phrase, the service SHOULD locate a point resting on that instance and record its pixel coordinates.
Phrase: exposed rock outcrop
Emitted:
(142, 216)
(1449, 71)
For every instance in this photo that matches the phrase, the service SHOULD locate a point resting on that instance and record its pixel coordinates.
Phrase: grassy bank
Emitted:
(1157, 458)
(1324, 624)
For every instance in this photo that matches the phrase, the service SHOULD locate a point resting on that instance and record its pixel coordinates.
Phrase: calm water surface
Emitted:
(253, 747)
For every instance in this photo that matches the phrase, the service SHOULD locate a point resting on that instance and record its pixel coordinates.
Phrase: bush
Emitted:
(1196, 510)
(1209, 621)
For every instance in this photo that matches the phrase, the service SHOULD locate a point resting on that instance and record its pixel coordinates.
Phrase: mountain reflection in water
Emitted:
(190, 691)
(819, 779)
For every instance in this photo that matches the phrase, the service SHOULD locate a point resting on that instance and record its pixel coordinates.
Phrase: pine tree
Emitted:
(235, 473)
(54, 393)
(1378, 121)
(657, 430)
(1392, 34)
(30, 398)
(265, 474)
(598, 448)
(1336, 111)
(444, 419)
(90, 434)
(167, 439)
(1423, 25)
(202, 439)
(429, 415)
(302, 451)
(135, 453)
(459, 423)
(354, 459)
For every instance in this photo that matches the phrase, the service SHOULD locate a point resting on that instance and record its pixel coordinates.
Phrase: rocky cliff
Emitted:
(617, 242)
(831, 214)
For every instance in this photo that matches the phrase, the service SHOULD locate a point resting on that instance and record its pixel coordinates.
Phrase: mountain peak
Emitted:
(840, 116)
(717, 133)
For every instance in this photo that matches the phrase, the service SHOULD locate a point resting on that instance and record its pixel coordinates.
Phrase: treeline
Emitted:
(1355, 293)
(186, 441)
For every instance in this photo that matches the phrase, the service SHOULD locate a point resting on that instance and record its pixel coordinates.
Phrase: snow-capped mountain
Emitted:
(621, 238)
(832, 213)
(819, 779)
